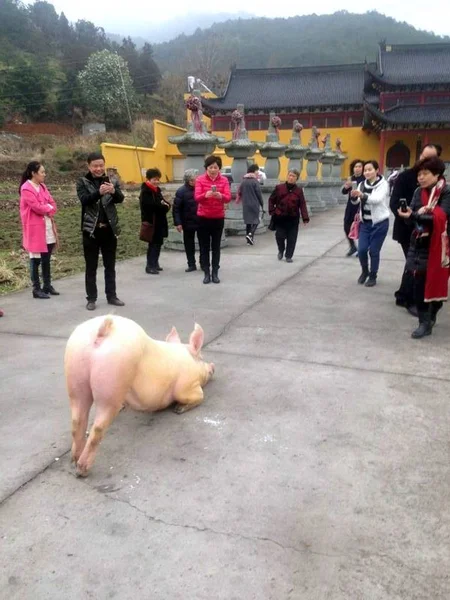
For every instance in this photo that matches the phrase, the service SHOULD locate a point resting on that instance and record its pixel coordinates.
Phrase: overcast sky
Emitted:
(129, 16)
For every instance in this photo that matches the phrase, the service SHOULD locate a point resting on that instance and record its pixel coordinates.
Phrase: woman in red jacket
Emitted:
(37, 209)
(286, 205)
(212, 191)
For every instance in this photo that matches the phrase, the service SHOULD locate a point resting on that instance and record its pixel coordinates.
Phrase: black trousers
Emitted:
(405, 293)
(189, 246)
(419, 280)
(209, 235)
(46, 272)
(251, 229)
(103, 240)
(153, 252)
(286, 236)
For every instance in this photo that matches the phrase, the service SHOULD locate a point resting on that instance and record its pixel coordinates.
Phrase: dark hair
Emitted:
(437, 147)
(374, 163)
(95, 156)
(354, 163)
(32, 167)
(433, 164)
(150, 173)
(210, 160)
(253, 168)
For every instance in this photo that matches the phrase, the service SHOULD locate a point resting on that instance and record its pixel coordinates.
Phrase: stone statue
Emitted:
(315, 134)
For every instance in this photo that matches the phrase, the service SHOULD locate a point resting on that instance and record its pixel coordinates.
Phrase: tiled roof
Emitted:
(295, 87)
(415, 114)
(418, 64)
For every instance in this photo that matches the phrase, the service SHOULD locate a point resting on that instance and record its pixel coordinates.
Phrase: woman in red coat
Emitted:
(37, 209)
(286, 205)
(212, 191)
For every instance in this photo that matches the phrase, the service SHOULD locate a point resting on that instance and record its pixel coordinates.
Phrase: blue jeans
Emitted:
(371, 239)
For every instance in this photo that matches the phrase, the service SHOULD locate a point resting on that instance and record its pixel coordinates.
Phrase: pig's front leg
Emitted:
(194, 398)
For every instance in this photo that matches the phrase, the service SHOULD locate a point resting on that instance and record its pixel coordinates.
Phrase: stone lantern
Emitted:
(313, 154)
(240, 147)
(295, 151)
(271, 150)
(196, 143)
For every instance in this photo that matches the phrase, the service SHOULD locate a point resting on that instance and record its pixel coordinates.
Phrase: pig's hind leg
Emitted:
(81, 399)
(108, 400)
(192, 400)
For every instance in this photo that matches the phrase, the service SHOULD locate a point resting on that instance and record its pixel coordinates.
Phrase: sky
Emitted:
(131, 16)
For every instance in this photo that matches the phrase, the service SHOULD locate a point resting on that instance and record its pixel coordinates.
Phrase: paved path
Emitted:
(317, 468)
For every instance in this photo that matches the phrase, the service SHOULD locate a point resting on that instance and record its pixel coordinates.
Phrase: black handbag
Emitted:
(272, 226)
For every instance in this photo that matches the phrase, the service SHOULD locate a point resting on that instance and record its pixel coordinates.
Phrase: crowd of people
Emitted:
(420, 203)
(419, 200)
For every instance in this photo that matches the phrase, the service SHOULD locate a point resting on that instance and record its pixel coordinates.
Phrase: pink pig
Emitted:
(111, 361)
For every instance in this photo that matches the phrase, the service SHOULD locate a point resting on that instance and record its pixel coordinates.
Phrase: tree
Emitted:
(149, 73)
(107, 88)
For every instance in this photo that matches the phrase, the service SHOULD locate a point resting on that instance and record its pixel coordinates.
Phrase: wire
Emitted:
(68, 89)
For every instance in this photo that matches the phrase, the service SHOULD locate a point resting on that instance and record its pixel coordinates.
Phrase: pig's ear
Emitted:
(173, 337)
(196, 340)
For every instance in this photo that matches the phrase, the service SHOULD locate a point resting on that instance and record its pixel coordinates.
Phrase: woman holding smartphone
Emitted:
(212, 191)
(373, 198)
(356, 177)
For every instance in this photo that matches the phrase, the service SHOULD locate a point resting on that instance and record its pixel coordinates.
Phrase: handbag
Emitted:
(353, 234)
(272, 226)
(147, 231)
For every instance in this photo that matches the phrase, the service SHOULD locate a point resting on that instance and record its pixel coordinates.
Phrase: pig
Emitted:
(111, 362)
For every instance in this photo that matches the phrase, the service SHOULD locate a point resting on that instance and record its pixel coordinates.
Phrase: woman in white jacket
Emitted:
(373, 197)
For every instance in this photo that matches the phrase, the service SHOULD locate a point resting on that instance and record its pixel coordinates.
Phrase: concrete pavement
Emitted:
(317, 468)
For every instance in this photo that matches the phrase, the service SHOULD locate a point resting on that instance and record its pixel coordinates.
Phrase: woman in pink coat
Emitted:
(212, 191)
(37, 208)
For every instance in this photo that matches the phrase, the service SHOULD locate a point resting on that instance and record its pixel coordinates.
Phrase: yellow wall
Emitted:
(128, 159)
(409, 138)
(356, 143)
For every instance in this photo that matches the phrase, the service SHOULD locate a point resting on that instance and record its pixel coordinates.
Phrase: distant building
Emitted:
(386, 110)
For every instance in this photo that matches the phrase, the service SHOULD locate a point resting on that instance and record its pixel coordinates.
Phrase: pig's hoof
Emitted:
(179, 409)
(81, 471)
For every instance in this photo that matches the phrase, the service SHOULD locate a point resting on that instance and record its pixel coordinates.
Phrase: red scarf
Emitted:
(152, 187)
(436, 286)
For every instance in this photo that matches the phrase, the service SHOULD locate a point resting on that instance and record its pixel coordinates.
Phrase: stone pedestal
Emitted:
(315, 196)
(175, 241)
(337, 165)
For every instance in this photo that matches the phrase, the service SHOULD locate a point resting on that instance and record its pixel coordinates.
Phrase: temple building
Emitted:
(386, 110)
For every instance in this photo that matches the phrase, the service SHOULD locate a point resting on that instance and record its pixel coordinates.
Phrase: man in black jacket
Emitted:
(100, 227)
(404, 188)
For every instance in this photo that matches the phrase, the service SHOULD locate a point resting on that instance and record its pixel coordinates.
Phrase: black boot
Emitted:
(372, 281)
(362, 278)
(425, 326)
(215, 276)
(37, 292)
(207, 277)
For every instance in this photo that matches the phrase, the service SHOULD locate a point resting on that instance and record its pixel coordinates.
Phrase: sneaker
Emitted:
(91, 305)
(116, 302)
(280, 256)
(289, 260)
(249, 239)
(372, 281)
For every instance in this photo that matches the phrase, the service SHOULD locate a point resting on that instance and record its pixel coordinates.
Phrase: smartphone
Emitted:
(214, 188)
(354, 185)
(403, 205)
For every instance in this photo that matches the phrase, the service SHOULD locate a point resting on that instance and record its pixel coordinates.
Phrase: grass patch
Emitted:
(68, 259)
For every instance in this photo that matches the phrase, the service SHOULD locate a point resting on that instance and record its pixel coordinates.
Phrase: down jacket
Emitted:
(211, 208)
(185, 208)
(417, 258)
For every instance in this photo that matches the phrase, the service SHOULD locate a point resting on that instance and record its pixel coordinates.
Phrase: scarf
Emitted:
(247, 176)
(436, 284)
(150, 186)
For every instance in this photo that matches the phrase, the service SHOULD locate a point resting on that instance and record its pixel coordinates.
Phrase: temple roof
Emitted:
(412, 64)
(412, 114)
(293, 87)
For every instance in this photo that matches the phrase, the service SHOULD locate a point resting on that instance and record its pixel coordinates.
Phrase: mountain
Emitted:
(141, 31)
(307, 40)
